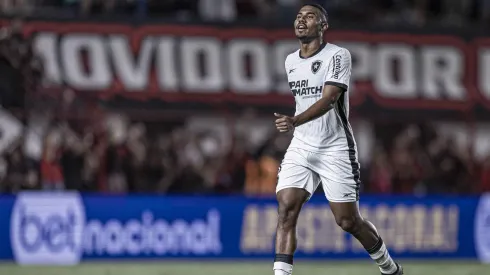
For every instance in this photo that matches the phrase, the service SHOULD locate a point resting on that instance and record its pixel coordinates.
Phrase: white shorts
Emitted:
(338, 173)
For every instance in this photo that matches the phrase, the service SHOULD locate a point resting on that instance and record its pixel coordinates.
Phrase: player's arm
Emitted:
(329, 98)
(336, 83)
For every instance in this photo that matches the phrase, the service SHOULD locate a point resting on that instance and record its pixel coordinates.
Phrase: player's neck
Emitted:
(307, 49)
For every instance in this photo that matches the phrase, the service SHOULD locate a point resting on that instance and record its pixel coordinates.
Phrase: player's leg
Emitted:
(295, 185)
(350, 220)
(339, 174)
(290, 201)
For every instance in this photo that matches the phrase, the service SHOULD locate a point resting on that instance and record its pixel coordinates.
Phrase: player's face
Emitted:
(307, 25)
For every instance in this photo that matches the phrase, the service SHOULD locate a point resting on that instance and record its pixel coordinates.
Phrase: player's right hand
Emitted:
(284, 123)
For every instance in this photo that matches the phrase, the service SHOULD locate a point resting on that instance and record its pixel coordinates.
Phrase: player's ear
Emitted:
(324, 26)
(320, 27)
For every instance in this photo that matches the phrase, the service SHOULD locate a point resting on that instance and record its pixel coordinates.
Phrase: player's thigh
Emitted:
(339, 174)
(295, 174)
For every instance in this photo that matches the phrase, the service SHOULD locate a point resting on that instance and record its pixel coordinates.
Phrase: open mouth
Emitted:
(301, 27)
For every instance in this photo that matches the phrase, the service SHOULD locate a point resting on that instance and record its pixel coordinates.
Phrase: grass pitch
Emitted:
(245, 268)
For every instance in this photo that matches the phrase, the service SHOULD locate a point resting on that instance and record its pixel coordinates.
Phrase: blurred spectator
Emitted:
(179, 9)
(90, 6)
(11, 6)
(262, 9)
(137, 148)
(262, 171)
(405, 172)
(380, 180)
(21, 72)
(118, 157)
(484, 10)
(485, 176)
(218, 10)
(10, 129)
(15, 178)
(415, 12)
(287, 9)
(265, 9)
(232, 176)
(72, 159)
(51, 168)
(456, 12)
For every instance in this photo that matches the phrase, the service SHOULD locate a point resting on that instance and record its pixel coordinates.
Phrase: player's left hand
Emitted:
(284, 123)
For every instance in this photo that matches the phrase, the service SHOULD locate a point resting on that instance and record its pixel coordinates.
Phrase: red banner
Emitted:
(246, 65)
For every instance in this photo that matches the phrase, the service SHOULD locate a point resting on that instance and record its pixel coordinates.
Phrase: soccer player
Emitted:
(323, 149)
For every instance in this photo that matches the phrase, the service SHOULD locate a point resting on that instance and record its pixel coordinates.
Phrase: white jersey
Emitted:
(330, 65)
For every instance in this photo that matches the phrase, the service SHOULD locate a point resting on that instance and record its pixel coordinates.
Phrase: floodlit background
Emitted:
(177, 97)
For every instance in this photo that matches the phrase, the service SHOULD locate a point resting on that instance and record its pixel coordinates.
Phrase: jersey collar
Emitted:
(315, 53)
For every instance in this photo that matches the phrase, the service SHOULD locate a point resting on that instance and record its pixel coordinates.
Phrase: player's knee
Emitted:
(290, 202)
(350, 224)
(288, 212)
(287, 215)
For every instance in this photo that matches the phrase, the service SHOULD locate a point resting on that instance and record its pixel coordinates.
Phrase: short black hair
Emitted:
(320, 8)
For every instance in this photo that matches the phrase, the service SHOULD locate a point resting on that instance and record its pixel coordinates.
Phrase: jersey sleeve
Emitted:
(339, 70)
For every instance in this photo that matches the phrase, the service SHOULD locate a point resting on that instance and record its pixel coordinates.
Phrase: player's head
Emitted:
(311, 22)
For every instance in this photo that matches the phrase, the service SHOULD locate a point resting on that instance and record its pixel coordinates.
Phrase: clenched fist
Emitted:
(284, 123)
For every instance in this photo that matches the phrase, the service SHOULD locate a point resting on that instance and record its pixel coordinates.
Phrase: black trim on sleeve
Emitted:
(337, 84)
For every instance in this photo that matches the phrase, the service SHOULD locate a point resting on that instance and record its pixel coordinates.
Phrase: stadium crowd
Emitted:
(111, 153)
(412, 12)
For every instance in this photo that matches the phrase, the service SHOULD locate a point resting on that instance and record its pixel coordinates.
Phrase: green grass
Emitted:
(245, 268)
